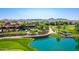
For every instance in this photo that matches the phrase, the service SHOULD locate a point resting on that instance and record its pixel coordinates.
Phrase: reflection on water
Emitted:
(58, 39)
(55, 44)
(77, 43)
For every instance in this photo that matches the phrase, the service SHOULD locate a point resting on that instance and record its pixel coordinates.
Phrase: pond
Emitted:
(55, 44)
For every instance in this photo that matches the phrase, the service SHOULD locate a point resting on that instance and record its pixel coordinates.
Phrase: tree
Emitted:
(23, 26)
(46, 22)
(58, 27)
(33, 31)
(64, 27)
(77, 27)
(40, 25)
(53, 23)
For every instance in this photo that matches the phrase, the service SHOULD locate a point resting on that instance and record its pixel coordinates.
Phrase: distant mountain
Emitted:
(57, 19)
(35, 19)
(51, 19)
(61, 19)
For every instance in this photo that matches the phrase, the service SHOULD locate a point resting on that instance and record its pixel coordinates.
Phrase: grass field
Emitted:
(13, 44)
(54, 35)
(68, 28)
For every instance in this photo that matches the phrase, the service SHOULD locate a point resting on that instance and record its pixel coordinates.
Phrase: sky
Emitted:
(39, 13)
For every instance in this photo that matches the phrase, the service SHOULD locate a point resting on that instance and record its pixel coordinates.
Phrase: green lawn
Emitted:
(13, 44)
(54, 35)
(68, 28)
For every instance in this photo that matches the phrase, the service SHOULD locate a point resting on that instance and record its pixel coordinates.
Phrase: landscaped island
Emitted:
(17, 35)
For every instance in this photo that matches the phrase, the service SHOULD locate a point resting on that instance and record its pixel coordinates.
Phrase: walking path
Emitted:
(50, 32)
(13, 37)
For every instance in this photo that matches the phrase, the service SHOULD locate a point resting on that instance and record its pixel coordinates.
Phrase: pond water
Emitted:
(55, 44)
